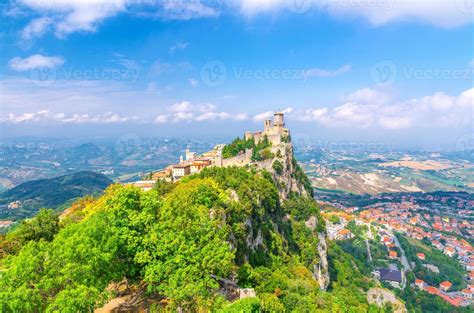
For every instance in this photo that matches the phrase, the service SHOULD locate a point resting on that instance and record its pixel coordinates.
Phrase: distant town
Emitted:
(388, 223)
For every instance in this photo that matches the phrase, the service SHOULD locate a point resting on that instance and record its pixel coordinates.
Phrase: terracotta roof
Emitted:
(343, 232)
(446, 284)
(432, 290)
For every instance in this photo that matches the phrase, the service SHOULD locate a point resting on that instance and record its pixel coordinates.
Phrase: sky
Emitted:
(392, 71)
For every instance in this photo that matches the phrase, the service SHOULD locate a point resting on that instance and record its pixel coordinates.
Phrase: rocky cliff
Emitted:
(291, 181)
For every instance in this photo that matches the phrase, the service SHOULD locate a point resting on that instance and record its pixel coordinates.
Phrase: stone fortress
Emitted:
(274, 132)
(192, 163)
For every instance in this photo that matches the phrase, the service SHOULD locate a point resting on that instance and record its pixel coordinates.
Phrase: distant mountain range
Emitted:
(27, 198)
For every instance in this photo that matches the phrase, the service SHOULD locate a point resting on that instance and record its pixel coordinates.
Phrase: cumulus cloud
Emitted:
(35, 61)
(263, 116)
(369, 107)
(35, 28)
(186, 111)
(269, 114)
(66, 17)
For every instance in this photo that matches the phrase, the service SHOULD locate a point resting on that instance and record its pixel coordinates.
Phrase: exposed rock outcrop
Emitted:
(286, 178)
(321, 270)
(380, 297)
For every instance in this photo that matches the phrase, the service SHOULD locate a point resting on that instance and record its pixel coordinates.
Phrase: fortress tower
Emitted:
(278, 123)
(273, 131)
(267, 127)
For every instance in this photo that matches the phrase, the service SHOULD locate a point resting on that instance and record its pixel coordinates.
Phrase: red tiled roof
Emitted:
(432, 290)
(446, 284)
(420, 255)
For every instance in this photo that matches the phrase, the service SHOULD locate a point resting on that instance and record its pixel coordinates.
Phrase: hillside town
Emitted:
(439, 232)
(191, 163)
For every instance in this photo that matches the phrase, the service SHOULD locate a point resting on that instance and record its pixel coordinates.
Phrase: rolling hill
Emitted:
(50, 193)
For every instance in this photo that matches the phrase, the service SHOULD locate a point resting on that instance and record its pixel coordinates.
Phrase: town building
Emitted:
(445, 285)
(419, 283)
(393, 277)
(181, 170)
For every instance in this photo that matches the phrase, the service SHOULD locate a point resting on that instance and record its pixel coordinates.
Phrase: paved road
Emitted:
(403, 257)
(368, 249)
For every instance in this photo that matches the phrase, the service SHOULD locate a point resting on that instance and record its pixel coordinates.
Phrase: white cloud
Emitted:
(71, 16)
(35, 28)
(66, 17)
(263, 116)
(444, 13)
(178, 46)
(269, 114)
(317, 72)
(46, 116)
(186, 111)
(161, 119)
(213, 116)
(185, 10)
(369, 96)
(183, 106)
(365, 110)
(35, 61)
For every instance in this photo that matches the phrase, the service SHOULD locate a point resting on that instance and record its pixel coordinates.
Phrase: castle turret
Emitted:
(278, 123)
(267, 126)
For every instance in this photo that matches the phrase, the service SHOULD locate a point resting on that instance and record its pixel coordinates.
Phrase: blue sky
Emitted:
(380, 70)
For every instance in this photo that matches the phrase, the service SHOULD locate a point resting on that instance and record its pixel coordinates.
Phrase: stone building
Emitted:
(274, 131)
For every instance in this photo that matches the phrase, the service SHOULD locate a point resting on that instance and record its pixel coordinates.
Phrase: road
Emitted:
(403, 257)
(368, 249)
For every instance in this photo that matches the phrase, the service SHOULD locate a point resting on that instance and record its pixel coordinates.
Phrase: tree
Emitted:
(44, 225)
(187, 248)
(277, 167)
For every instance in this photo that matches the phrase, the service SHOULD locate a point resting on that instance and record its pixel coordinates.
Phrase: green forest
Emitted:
(176, 243)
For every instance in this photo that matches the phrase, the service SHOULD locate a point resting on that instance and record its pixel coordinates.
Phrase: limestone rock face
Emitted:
(287, 183)
(321, 271)
(380, 297)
